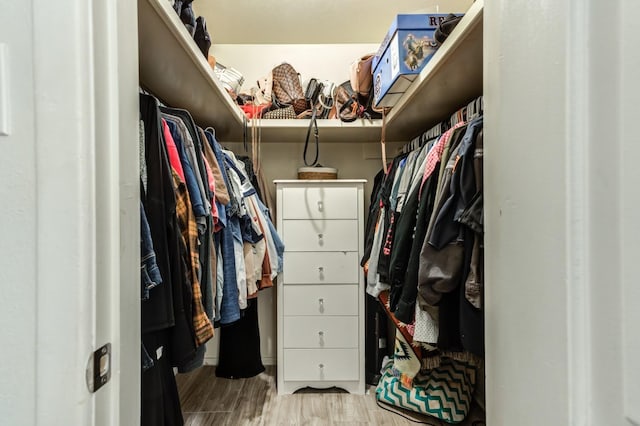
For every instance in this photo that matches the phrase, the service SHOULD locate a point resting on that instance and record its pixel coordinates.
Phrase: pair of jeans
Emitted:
(149, 271)
(158, 200)
(229, 311)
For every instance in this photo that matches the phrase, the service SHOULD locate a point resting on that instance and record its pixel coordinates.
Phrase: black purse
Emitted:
(314, 88)
(445, 28)
(202, 37)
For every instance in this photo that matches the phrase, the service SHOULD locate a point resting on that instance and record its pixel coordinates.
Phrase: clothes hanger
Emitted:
(471, 110)
(144, 91)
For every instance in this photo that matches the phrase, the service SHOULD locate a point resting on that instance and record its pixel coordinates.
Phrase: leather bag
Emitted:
(230, 78)
(360, 75)
(347, 107)
(325, 99)
(313, 90)
(281, 113)
(287, 88)
(202, 36)
(445, 28)
(444, 392)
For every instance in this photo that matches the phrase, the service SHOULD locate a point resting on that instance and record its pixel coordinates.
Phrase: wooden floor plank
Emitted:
(204, 392)
(193, 388)
(253, 399)
(208, 400)
(205, 419)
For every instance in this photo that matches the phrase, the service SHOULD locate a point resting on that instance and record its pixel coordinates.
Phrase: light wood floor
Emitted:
(208, 400)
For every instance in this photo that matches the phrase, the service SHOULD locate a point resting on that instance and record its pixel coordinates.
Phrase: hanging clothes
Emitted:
(240, 346)
(425, 234)
(207, 244)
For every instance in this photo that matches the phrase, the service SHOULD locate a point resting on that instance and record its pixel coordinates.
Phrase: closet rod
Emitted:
(469, 112)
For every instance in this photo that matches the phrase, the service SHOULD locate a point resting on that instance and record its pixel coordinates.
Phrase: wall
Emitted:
(280, 161)
(322, 61)
(324, 50)
(59, 218)
(311, 21)
(129, 196)
(525, 213)
(561, 204)
(18, 222)
(629, 93)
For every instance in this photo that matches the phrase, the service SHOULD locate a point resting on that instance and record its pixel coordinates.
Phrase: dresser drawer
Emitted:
(321, 364)
(326, 300)
(319, 203)
(320, 332)
(321, 267)
(320, 235)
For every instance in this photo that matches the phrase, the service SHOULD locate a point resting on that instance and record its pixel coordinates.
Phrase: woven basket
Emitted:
(312, 173)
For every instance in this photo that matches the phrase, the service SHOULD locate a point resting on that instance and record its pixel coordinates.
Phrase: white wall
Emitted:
(629, 92)
(280, 161)
(322, 61)
(59, 218)
(613, 337)
(561, 181)
(304, 22)
(18, 222)
(526, 149)
(128, 365)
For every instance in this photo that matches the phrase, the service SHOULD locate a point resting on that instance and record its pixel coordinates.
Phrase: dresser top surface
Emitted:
(316, 181)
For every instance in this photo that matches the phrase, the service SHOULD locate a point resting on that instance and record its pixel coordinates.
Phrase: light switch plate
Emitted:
(4, 90)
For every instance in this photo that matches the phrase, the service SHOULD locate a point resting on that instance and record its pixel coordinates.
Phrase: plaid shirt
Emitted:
(189, 229)
(435, 155)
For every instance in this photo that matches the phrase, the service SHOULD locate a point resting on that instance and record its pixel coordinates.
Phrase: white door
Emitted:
(563, 240)
(69, 252)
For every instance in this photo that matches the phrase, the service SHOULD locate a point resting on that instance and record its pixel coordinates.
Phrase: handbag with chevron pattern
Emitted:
(444, 392)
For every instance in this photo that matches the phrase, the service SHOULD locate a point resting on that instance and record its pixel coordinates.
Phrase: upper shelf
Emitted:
(173, 69)
(328, 130)
(451, 79)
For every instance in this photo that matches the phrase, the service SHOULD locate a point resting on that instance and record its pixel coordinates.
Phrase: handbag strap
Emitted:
(244, 130)
(322, 100)
(256, 136)
(383, 142)
(312, 123)
(254, 143)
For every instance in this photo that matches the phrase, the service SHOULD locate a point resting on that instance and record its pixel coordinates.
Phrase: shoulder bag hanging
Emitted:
(312, 124)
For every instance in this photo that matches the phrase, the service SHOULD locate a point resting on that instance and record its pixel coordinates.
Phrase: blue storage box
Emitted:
(406, 49)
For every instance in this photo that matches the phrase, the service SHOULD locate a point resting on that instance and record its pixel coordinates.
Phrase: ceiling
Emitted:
(310, 21)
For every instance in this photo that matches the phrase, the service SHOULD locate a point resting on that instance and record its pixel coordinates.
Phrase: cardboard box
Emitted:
(406, 49)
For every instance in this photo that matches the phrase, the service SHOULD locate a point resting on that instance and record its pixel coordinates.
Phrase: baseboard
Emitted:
(214, 360)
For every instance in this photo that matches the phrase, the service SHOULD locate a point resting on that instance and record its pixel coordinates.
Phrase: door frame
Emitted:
(562, 239)
(86, 127)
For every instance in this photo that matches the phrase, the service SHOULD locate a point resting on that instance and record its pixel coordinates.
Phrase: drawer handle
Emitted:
(321, 365)
(321, 303)
(320, 206)
(321, 271)
(321, 333)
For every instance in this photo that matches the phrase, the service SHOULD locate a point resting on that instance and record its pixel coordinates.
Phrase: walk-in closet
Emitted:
(336, 317)
(319, 213)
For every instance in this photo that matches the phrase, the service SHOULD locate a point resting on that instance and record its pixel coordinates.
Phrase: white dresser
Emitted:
(321, 290)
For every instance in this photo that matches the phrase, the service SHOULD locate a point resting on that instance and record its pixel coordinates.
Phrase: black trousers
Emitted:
(160, 403)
